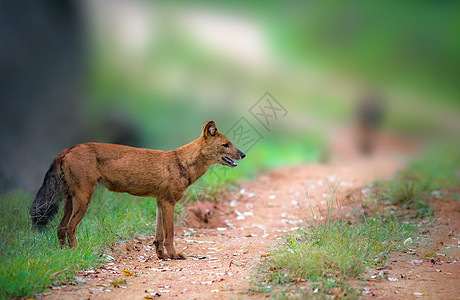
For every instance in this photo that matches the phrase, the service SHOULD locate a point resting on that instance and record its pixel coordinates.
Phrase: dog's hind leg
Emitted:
(79, 204)
(62, 227)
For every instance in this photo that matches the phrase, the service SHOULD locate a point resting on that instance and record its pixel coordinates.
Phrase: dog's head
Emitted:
(217, 147)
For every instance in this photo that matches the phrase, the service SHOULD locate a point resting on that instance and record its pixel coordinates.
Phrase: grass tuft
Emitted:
(437, 169)
(327, 254)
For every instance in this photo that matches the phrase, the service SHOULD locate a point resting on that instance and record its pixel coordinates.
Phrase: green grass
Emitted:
(407, 195)
(32, 260)
(330, 254)
(436, 169)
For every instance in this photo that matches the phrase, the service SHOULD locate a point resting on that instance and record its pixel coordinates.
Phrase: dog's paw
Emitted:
(178, 256)
(162, 255)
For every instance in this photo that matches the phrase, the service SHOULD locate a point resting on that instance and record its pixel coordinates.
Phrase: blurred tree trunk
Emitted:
(41, 68)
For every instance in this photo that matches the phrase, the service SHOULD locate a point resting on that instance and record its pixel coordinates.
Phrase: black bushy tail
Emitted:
(46, 202)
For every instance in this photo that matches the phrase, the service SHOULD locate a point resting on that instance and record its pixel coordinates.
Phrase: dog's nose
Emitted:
(242, 155)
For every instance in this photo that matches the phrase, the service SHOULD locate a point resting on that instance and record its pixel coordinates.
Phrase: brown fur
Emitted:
(163, 175)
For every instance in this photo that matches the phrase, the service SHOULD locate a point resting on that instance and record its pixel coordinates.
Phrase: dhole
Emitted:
(163, 175)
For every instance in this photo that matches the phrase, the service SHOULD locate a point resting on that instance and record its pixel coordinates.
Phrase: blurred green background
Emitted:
(168, 67)
(152, 72)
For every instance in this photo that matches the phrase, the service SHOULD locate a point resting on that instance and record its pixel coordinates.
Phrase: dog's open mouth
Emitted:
(229, 162)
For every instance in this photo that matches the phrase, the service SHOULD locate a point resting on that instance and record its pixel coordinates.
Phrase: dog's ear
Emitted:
(208, 128)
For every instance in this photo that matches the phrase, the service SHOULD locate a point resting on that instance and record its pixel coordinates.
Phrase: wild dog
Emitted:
(370, 112)
(163, 175)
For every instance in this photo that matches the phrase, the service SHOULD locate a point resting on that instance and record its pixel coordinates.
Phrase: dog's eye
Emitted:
(226, 145)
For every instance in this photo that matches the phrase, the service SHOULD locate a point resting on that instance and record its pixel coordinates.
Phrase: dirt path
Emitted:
(220, 261)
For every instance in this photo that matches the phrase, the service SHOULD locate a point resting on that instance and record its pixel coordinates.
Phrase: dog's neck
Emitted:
(191, 162)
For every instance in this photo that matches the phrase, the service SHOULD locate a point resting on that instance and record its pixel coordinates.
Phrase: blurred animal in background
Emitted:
(369, 115)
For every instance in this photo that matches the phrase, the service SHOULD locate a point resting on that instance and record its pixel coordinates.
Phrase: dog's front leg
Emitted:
(159, 236)
(168, 228)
